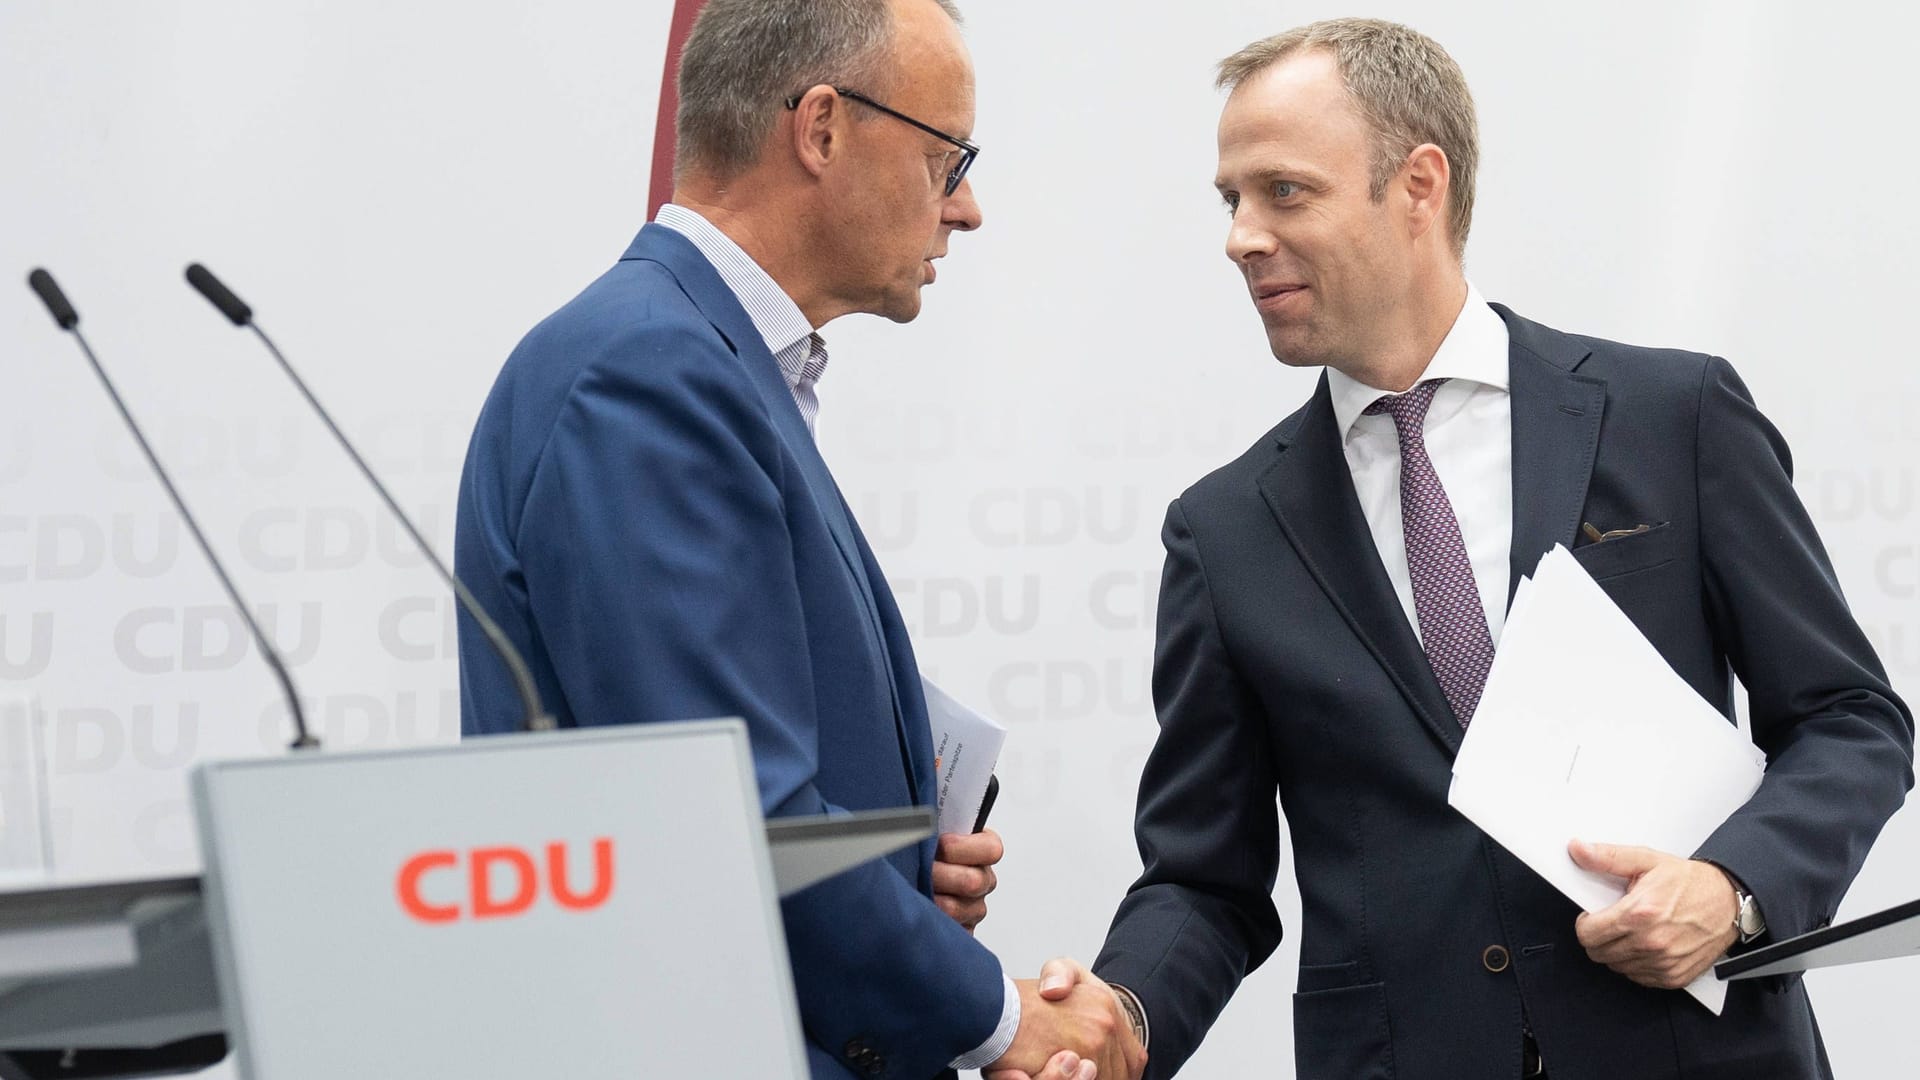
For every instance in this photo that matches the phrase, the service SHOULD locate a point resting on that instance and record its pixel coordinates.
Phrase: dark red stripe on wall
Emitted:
(662, 186)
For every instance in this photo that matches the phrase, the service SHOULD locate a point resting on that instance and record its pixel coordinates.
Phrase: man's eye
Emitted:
(1231, 200)
(1284, 189)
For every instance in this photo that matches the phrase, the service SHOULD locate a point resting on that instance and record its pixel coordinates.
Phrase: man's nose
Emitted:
(961, 211)
(1248, 238)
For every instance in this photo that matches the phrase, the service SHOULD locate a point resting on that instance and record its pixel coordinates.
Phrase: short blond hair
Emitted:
(1405, 85)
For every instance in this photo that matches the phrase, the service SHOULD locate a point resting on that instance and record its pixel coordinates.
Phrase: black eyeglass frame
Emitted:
(968, 151)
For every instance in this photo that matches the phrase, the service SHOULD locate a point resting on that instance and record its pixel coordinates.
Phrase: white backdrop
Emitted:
(402, 189)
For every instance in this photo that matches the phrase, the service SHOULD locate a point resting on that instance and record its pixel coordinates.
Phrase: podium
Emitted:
(597, 902)
(107, 980)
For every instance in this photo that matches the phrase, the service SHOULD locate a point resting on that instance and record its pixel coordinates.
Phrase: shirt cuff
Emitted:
(1001, 1040)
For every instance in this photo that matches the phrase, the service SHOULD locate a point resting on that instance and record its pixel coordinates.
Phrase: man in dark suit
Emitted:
(644, 509)
(1332, 599)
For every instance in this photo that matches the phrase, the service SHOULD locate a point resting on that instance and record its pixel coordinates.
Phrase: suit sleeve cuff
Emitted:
(1001, 1040)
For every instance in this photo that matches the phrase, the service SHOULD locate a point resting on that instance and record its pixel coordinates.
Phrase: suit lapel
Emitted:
(1310, 491)
(703, 285)
(705, 288)
(1556, 433)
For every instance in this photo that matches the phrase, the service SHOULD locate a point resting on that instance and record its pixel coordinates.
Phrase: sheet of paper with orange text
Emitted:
(966, 746)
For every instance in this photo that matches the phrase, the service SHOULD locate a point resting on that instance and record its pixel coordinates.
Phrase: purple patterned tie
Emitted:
(1453, 624)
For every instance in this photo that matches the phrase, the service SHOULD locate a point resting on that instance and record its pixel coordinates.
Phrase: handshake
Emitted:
(1072, 1027)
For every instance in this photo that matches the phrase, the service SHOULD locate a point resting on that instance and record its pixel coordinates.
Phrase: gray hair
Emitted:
(744, 58)
(1405, 85)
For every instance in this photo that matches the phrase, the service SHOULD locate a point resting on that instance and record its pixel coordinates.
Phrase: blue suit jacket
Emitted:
(645, 513)
(1285, 661)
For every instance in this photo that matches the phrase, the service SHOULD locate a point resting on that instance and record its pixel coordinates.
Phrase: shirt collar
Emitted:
(778, 319)
(1474, 350)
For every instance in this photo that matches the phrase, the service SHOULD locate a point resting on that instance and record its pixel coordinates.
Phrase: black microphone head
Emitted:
(43, 285)
(219, 295)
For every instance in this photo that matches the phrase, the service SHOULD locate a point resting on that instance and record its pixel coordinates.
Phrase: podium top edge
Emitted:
(64, 902)
(507, 742)
(1816, 939)
(917, 819)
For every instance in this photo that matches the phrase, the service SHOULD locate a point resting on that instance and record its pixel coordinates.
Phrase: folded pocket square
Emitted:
(1599, 537)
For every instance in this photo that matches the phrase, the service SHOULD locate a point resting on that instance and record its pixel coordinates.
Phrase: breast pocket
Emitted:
(1623, 555)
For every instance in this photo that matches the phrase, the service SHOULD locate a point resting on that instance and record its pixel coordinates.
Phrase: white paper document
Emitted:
(966, 746)
(1584, 732)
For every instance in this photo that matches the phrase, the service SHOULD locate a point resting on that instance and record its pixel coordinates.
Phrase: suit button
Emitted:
(1495, 959)
(875, 1066)
(857, 1049)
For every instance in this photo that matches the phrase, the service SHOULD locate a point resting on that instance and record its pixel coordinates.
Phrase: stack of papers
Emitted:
(1584, 732)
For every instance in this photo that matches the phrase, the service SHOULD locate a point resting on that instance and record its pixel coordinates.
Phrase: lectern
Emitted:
(584, 903)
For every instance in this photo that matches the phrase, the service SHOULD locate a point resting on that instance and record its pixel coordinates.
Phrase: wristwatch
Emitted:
(1136, 1013)
(1747, 921)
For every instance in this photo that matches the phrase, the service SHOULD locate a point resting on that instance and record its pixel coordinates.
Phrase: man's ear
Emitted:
(816, 127)
(1425, 178)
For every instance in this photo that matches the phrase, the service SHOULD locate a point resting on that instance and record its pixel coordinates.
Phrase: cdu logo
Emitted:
(501, 882)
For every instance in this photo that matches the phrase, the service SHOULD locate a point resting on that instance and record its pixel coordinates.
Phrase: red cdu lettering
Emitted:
(504, 881)
(409, 887)
(563, 894)
(480, 870)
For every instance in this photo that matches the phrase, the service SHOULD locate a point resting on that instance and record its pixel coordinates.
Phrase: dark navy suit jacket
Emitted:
(645, 513)
(1284, 661)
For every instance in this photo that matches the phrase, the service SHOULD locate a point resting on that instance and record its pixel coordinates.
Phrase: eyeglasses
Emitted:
(967, 150)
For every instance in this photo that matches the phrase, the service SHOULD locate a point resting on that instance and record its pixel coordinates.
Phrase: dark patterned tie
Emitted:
(1453, 624)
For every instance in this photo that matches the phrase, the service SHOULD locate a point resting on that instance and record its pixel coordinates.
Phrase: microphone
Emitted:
(209, 286)
(534, 716)
(43, 284)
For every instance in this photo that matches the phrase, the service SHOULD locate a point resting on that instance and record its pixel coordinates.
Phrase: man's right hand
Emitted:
(1070, 1009)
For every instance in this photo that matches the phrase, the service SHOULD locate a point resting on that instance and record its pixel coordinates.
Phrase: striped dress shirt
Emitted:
(801, 354)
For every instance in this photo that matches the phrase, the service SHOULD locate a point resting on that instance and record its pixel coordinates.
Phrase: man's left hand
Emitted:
(1675, 921)
(963, 874)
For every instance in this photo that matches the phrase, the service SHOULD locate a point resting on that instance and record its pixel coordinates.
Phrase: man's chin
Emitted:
(1292, 349)
(904, 308)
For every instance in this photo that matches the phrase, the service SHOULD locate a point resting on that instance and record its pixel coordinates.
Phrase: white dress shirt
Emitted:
(1469, 436)
(802, 357)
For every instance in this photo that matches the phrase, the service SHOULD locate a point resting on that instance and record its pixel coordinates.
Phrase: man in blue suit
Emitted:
(1332, 599)
(644, 509)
